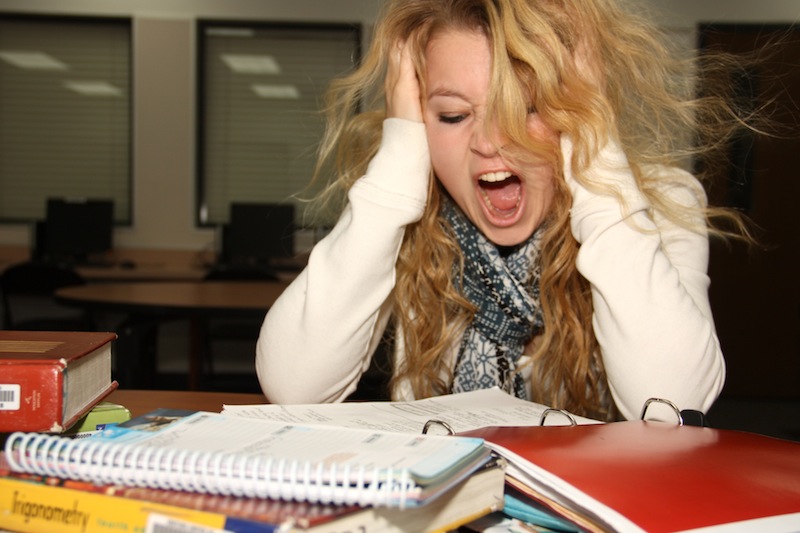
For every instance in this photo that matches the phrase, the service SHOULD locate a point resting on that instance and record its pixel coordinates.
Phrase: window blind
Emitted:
(260, 89)
(64, 113)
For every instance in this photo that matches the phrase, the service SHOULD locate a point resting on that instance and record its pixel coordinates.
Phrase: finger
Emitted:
(402, 85)
(393, 69)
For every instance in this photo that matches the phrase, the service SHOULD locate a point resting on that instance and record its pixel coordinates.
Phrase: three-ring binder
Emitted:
(694, 417)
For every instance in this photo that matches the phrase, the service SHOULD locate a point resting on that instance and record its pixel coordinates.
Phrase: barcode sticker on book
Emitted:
(157, 523)
(9, 397)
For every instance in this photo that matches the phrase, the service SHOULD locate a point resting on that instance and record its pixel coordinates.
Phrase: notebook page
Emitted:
(461, 412)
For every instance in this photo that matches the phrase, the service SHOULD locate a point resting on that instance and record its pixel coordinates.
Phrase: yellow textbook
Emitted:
(31, 507)
(30, 503)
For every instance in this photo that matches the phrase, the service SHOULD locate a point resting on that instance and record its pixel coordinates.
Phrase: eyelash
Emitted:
(455, 119)
(451, 119)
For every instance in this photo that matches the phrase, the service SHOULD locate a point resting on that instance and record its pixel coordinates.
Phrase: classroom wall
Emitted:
(164, 103)
(688, 13)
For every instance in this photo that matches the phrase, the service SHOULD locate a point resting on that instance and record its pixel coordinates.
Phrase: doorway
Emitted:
(755, 293)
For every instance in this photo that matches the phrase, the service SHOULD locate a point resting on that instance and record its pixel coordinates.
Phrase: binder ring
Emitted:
(563, 412)
(666, 402)
(435, 422)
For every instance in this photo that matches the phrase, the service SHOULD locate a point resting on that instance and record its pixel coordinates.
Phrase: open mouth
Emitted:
(501, 192)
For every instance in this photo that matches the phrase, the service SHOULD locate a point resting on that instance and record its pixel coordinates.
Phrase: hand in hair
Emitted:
(588, 65)
(402, 85)
(591, 84)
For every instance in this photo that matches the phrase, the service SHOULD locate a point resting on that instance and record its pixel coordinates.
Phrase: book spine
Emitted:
(31, 398)
(32, 507)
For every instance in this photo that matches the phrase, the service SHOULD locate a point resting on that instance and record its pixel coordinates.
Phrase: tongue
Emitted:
(502, 195)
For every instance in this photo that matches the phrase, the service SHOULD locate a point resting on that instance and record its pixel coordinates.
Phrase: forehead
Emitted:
(457, 58)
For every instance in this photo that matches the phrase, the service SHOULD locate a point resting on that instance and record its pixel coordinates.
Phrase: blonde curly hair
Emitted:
(593, 69)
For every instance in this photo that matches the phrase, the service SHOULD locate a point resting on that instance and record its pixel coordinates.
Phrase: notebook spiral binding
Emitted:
(228, 474)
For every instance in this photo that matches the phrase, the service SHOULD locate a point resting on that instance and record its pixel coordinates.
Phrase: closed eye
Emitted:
(451, 119)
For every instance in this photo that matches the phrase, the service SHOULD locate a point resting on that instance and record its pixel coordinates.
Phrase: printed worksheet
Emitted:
(452, 413)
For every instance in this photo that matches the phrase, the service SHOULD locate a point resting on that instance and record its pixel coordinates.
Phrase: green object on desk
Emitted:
(101, 415)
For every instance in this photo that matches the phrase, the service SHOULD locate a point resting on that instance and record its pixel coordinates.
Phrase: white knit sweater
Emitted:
(649, 285)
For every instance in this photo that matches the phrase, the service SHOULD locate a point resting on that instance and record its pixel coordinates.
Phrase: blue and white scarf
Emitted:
(505, 290)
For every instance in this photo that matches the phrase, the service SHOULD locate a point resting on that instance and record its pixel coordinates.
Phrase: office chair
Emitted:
(29, 303)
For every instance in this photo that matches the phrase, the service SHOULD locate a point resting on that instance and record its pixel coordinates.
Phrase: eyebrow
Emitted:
(447, 93)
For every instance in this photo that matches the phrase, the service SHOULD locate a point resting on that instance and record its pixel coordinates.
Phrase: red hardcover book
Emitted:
(49, 379)
(653, 476)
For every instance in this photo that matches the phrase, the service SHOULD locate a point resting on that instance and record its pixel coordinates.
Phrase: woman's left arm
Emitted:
(649, 281)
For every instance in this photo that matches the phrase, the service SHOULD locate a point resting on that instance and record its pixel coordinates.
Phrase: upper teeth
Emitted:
(494, 176)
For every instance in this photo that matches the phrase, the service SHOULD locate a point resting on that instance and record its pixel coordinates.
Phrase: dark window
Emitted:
(259, 97)
(65, 111)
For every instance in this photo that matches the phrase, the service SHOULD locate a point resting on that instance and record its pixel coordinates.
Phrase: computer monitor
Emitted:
(258, 233)
(76, 231)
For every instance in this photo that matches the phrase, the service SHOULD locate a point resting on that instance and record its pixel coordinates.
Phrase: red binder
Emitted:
(654, 476)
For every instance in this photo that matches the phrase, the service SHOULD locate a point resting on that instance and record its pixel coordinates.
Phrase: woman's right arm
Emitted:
(318, 338)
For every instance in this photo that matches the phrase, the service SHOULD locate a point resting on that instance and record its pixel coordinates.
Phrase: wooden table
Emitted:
(140, 402)
(239, 298)
(152, 301)
(142, 272)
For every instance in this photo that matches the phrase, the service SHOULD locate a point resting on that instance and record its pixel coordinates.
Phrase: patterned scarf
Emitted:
(505, 290)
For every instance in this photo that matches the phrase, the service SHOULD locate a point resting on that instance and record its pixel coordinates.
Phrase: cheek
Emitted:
(541, 189)
(549, 155)
(548, 192)
(541, 131)
(442, 154)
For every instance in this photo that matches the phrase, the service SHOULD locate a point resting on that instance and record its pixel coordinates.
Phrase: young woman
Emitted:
(516, 208)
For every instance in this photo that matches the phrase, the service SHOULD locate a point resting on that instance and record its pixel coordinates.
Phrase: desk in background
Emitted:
(141, 272)
(130, 264)
(285, 271)
(150, 302)
(137, 264)
(232, 298)
(166, 272)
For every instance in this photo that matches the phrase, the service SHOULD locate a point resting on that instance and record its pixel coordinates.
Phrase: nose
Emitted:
(486, 140)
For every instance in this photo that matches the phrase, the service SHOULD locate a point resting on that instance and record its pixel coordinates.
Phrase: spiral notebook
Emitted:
(213, 453)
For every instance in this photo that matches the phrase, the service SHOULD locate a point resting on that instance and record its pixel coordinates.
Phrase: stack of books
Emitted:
(174, 468)
(430, 465)
(274, 476)
(51, 380)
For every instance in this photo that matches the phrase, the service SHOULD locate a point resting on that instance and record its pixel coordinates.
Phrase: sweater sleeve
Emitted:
(319, 336)
(649, 283)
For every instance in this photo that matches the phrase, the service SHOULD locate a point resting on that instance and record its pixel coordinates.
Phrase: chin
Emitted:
(507, 236)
